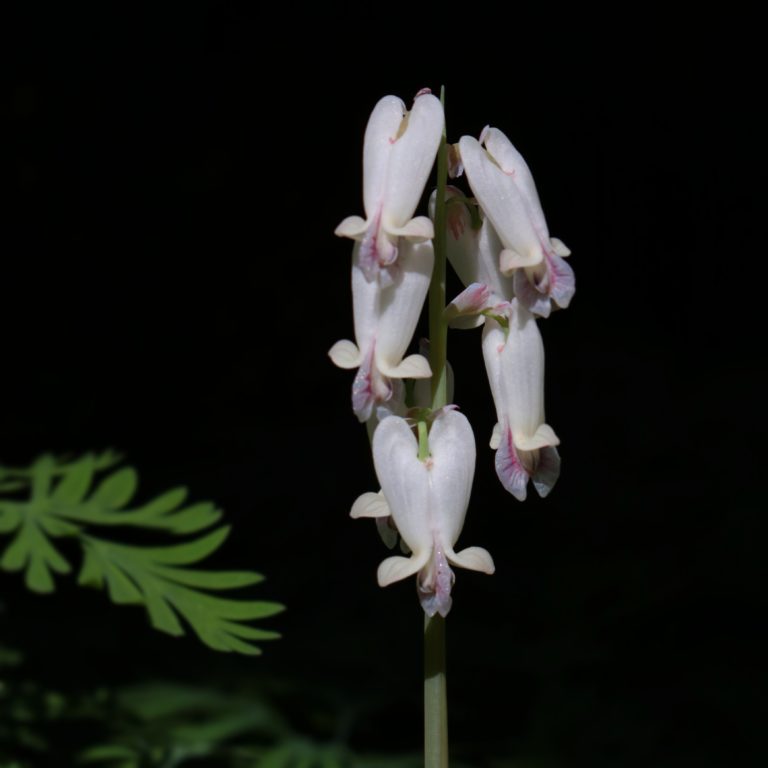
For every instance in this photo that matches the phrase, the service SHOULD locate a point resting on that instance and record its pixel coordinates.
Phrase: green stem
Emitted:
(438, 330)
(423, 441)
(435, 700)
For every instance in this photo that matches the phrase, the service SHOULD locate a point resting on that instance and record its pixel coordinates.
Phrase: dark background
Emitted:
(171, 285)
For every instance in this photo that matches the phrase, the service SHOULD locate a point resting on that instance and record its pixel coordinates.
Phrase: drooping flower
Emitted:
(398, 153)
(428, 502)
(524, 442)
(503, 185)
(385, 319)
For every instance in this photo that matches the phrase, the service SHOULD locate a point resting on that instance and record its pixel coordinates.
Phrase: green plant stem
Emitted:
(438, 330)
(435, 700)
(423, 440)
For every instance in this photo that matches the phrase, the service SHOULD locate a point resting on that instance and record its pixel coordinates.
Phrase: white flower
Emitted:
(525, 444)
(427, 501)
(398, 154)
(503, 185)
(385, 320)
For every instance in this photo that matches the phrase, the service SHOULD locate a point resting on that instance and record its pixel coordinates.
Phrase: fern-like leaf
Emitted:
(66, 500)
(153, 577)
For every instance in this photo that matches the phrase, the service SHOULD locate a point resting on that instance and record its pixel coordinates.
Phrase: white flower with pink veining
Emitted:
(398, 154)
(427, 501)
(503, 185)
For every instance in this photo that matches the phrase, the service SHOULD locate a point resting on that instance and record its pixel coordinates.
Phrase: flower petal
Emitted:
(412, 367)
(501, 201)
(353, 226)
(473, 558)
(562, 281)
(512, 163)
(370, 505)
(534, 301)
(345, 354)
(559, 247)
(380, 136)
(543, 436)
(405, 482)
(411, 160)
(401, 303)
(547, 471)
(397, 568)
(417, 230)
(510, 469)
(452, 449)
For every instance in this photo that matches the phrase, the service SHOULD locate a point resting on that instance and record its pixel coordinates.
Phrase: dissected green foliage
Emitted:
(53, 500)
(172, 725)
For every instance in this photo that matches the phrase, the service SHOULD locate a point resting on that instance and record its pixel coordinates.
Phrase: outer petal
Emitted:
(400, 304)
(522, 373)
(501, 201)
(411, 160)
(501, 149)
(452, 449)
(494, 341)
(365, 303)
(380, 137)
(405, 483)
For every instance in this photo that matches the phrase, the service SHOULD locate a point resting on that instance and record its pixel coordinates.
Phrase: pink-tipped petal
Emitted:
(434, 585)
(471, 301)
(510, 469)
(535, 302)
(547, 470)
(368, 388)
(562, 281)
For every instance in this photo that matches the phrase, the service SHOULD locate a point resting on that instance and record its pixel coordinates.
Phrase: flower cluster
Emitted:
(514, 272)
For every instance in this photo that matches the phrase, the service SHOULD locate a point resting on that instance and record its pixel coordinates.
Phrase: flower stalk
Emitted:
(435, 694)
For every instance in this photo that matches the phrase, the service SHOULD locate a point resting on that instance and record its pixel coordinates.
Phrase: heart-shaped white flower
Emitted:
(428, 502)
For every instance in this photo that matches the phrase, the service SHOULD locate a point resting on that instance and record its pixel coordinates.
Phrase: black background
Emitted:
(171, 285)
